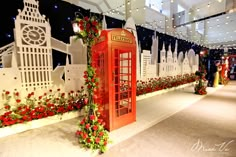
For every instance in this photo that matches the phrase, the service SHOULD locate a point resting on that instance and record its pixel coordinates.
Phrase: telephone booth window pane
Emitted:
(122, 67)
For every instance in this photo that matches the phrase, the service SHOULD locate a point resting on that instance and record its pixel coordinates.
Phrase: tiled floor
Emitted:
(59, 139)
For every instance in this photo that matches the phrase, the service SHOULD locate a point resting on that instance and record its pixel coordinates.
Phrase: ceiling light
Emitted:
(217, 19)
(227, 17)
(226, 23)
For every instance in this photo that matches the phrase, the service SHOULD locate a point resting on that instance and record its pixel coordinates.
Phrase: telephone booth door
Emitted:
(115, 61)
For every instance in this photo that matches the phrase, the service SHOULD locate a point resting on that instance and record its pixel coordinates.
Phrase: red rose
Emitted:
(94, 23)
(86, 18)
(7, 107)
(87, 126)
(82, 121)
(7, 92)
(85, 135)
(89, 86)
(25, 117)
(88, 140)
(88, 26)
(17, 94)
(95, 127)
(63, 94)
(105, 142)
(78, 132)
(101, 134)
(100, 121)
(81, 22)
(18, 100)
(81, 27)
(97, 140)
(91, 117)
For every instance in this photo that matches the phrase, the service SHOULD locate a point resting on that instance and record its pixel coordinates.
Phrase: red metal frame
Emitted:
(114, 57)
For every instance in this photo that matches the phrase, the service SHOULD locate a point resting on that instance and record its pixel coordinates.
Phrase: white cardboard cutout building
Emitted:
(170, 64)
(27, 63)
(130, 26)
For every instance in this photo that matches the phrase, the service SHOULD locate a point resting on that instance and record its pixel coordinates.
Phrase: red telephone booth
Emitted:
(114, 57)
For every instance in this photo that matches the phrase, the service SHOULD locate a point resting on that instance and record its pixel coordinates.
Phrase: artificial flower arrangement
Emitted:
(156, 84)
(88, 29)
(201, 85)
(19, 110)
(91, 131)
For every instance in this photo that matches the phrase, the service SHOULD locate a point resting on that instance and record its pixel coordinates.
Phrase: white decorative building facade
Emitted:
(27, 63)
(33, 43)
(171, 64)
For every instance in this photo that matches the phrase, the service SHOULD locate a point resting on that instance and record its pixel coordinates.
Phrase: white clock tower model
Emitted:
(33, 42)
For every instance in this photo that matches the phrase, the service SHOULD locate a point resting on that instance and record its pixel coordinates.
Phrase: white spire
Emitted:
(67, 60)
(163, 46)
(104, 23)
(176, 46)
(139, 47)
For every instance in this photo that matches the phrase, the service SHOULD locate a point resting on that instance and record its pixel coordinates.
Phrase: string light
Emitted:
(9, 35)
(118, 10)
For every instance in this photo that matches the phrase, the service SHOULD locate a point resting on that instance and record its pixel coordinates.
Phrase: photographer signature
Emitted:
(220, 147)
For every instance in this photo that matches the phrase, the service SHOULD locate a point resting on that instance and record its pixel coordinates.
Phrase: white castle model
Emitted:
(170, 64)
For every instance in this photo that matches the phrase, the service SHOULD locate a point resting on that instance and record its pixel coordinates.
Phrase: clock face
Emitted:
(33, 35)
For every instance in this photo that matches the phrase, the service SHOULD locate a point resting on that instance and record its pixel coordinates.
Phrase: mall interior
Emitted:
(187, 115)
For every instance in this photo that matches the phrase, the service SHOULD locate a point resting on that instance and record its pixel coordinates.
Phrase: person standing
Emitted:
(217, 74)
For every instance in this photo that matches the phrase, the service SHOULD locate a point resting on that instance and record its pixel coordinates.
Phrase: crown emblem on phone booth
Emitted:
(123, 33)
